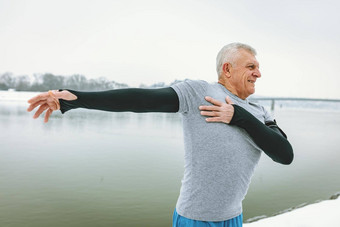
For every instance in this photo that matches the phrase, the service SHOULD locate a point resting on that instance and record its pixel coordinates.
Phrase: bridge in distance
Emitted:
(273, 99)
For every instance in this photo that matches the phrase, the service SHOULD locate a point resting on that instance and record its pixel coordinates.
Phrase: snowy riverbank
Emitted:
(324, 213)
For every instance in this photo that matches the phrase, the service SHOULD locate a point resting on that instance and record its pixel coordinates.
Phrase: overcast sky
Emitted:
(134, 42)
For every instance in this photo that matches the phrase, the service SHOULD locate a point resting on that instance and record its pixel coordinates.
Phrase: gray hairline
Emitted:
(228, 54)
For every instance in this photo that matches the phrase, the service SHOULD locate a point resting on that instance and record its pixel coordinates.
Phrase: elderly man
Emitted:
(223, 141)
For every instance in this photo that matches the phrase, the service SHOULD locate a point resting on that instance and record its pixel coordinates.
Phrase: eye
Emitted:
(251, 66)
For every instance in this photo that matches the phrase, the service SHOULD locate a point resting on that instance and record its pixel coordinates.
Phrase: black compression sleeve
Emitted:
(273, 126)
(119, 100)
(269, 138)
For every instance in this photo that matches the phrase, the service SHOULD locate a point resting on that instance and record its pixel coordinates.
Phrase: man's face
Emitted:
(244, 73)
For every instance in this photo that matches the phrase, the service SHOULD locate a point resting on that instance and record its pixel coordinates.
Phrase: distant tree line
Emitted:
(48, 81)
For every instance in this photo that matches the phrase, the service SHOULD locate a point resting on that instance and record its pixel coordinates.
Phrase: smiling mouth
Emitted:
(251, 81)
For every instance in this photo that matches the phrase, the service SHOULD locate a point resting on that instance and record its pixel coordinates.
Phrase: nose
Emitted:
(257, 73)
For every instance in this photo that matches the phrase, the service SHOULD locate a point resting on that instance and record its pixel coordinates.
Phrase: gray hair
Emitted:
(229, 53)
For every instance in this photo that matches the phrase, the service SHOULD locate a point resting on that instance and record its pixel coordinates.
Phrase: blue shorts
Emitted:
(180, 221)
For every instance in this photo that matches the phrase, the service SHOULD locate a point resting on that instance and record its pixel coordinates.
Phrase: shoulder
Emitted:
(189, 82)
(190, 86)
(255, 104)
(190, 94)
(262, 110)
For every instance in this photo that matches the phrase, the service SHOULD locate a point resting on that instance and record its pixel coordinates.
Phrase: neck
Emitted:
(230, 88)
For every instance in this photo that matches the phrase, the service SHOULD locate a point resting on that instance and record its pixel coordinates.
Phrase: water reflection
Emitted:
(95, 168)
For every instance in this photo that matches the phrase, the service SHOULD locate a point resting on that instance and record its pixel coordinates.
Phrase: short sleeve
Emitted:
(190, 94)
(267, 115)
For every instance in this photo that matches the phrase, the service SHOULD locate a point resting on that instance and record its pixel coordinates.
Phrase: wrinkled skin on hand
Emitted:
(219, 111)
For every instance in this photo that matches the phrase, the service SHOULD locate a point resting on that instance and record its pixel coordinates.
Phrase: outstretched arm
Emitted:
(119, 100)
(269, 137)
(132, 99)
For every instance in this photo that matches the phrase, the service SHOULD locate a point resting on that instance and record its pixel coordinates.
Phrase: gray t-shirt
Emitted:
(219, 158)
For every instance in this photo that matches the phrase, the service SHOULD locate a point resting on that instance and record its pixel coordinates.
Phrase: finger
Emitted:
(214, 119)
(42, 96)
(228, 100)
(47, 115)
(34, 105)
(217, 119)
(53, 104)
(41, 109)
(213, 101)
(209, 113)
(209, 108)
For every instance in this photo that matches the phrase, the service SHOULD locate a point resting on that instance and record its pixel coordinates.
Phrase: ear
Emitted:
(226, 69)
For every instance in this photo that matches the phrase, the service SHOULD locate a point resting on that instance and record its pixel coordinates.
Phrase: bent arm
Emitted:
(270, 138)
(119, 100)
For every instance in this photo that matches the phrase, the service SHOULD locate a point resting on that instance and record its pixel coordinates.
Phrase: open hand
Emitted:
(219, 112)
(48, 101)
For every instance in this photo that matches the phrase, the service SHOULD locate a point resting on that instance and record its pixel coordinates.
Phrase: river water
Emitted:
(92, 168)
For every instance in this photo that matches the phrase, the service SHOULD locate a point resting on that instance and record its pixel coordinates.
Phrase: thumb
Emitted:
(228, 100)
(66, 95)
